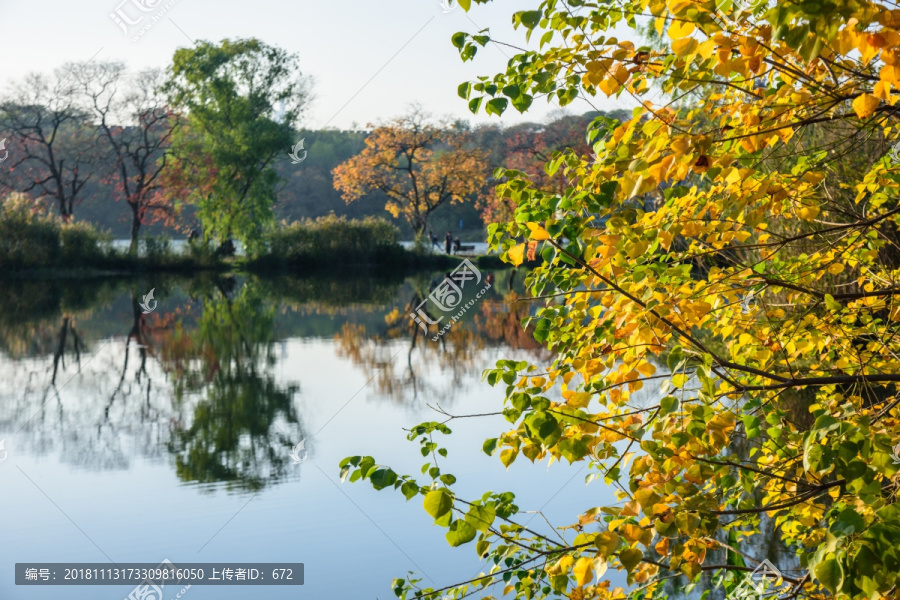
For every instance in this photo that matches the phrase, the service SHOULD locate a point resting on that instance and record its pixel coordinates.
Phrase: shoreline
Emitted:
(396, 259)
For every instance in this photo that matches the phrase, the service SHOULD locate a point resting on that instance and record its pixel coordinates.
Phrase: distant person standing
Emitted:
(448, 242)
(434, 239)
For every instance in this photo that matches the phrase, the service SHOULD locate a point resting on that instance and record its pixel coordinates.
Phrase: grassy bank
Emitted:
(35, 244)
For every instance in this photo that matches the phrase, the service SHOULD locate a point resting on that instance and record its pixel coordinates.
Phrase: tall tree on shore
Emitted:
(240, 100)
(418, 164)
(52, 145)
(137, 130)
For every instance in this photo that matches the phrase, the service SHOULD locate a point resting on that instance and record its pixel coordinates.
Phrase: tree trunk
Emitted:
(135, 229)
(419, 243)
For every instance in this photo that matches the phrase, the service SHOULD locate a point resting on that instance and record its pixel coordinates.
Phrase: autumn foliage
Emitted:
(418, 165)
(735, 242)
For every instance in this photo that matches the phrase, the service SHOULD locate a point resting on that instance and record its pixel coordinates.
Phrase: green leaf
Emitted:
(382, 478)
(830, 573)
(511, 91)
(667, 405)
(751, 425)
(848, 521)
(409, 489)
(496, 106)
(438, 503)
(460, 533)
(530, 18)
(675, 357)
(480, 517)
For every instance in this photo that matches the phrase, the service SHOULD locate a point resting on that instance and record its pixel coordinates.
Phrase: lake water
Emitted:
(137, 437)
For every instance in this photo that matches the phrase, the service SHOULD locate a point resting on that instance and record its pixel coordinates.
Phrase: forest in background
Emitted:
(307, 189)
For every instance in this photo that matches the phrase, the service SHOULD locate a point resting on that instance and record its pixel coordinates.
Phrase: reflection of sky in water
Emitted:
(88, 479)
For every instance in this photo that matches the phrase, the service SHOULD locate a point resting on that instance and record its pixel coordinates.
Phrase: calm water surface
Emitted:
(136, 437)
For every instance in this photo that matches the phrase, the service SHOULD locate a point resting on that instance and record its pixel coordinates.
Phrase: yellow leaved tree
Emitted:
(736, 243)
(419, 165)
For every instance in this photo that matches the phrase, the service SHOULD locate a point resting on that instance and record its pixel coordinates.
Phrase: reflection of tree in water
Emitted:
(241, 425)
(331, 295)
(395, 356)
(31, 312)
(96, 382)
(501, 322)
(233, 436)
(99, 384)
(83, 400)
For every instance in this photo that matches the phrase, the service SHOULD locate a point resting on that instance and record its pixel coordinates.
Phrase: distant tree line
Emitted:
(203, 146)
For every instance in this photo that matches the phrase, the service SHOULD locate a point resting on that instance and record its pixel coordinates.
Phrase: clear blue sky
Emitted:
(402, 46)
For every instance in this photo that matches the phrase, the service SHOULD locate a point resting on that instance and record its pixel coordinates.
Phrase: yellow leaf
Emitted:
(538, 232)
(680, 29)
(882, 90)
(684, 46)
(632, 533)
(583, 571)
(646, 368)
(507, 456)
(517, 254)
(579, 400)
(707, 48)
(865, 104)
(808, 213)
(609, 86)
(662, 547)
(691, 569)
(630, 509)
(607, 542)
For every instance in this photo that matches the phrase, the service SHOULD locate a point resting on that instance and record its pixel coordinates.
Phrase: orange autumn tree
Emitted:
(418, 165)
(734, 250)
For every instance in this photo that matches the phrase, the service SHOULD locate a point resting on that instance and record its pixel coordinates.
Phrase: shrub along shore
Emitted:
(35, 243)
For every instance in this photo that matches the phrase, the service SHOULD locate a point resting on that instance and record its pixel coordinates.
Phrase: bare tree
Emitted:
(52, 142)
(137, 128)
